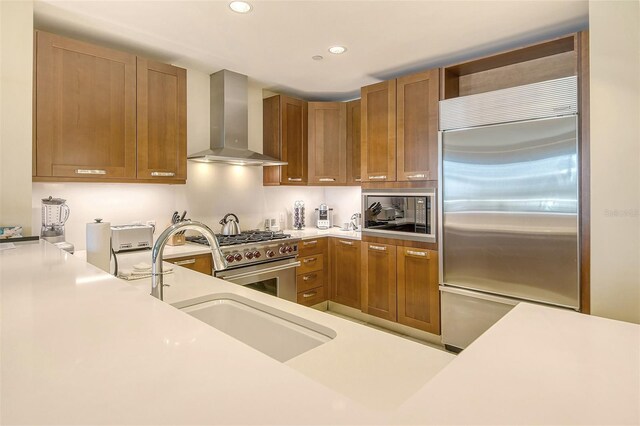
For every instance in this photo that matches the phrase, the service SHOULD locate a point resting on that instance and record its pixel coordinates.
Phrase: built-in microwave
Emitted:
(407, 214)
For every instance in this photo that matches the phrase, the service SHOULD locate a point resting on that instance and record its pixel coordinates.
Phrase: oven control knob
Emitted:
(230, 258)
(256, 254)
(283, 249)
(270, 253)
(238, 257)
(248, 255)
(289, 249)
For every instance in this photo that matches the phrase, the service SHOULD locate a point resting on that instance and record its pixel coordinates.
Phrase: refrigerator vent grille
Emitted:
(551, 98)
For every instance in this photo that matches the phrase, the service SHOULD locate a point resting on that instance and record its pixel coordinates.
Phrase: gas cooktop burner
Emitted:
(245, 237)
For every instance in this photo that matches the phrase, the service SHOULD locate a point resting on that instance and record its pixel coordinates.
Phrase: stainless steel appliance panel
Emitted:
(510, 210)
(276, 278)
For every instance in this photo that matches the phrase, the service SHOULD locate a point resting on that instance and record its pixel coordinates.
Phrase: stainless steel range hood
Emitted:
(229, 124)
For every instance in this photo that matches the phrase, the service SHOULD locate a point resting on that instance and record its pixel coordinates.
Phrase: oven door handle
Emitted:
(262, 271)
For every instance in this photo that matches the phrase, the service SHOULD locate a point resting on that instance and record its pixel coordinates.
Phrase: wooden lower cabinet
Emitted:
(378, 263)
(418, 294)
(199, 263)
(311, 282)
(344, 265)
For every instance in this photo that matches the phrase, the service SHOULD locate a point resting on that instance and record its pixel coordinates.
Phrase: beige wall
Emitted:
(16, 67)
(615, 159)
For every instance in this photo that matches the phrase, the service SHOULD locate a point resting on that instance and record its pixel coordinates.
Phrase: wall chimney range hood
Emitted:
(229, 124)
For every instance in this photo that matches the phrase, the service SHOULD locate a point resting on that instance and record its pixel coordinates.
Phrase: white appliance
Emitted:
(324, 217)
(131, 237)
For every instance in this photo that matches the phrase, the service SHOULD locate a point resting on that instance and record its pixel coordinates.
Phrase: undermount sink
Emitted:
(278, 334)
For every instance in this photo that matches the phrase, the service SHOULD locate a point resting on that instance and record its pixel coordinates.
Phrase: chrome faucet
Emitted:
(157, 278)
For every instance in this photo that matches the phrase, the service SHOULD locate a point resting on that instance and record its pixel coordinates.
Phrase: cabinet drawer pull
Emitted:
(418, 253)
(309, 277)
(309, 294)
(309, 243)
(349, 243)
(311, 259)
(327, 180)
(163, 174)
(294, 179)
(358, 179)
(91, 172)
(379, 248)
(185, 262)
(378, 177)
(417, 176)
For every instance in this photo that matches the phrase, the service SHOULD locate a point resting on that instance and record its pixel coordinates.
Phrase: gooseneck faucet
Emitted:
(157, 278)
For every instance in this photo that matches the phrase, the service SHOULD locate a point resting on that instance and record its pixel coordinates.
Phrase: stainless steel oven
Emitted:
(277, 278)
(407, 214)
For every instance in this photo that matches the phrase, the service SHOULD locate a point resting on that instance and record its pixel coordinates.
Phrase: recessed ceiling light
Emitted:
(240, 6)
(337, 49)
(317, 58)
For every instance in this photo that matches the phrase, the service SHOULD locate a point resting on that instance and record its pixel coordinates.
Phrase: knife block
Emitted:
(176, 240)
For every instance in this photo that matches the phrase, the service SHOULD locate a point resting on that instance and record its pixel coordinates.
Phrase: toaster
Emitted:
(131, 237)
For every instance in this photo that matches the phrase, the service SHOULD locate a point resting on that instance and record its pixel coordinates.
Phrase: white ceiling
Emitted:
(275, 42)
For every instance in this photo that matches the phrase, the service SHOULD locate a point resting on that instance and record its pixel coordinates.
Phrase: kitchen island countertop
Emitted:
(79, 346)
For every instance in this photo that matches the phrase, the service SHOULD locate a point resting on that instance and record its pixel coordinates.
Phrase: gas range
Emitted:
(253, 247)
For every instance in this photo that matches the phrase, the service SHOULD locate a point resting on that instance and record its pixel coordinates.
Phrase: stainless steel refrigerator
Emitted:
(508, 213)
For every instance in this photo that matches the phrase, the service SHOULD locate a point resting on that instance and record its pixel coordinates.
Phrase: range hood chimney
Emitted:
(229, 140)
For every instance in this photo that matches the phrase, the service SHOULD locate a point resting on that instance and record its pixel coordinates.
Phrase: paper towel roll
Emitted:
(99, 244)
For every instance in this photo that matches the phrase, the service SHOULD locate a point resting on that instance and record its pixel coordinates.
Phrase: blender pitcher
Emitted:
(55, 213)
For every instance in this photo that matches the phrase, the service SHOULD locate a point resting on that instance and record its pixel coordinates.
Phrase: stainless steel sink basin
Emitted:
(278, 334)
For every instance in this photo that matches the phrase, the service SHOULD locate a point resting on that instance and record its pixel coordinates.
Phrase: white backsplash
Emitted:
(211, 192)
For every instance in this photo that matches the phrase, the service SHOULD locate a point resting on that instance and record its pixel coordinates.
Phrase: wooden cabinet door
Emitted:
(200, 263)
(85, 110)
(378, 132)
(162, 121)
(417, 126)
(344, 264)
(418, 294)
(293, 134)
(379, 280)
(327, 143)
(271, 146)
(353, 143)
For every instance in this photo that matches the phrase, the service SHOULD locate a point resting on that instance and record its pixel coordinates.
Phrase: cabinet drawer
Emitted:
(200, 263)
(314, 246)
(312, 297)
(310, 280)
(315, 262)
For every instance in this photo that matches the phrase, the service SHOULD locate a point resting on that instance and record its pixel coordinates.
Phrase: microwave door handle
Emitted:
(262, 271)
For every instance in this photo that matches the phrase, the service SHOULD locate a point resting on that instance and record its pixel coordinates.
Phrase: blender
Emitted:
(55, 213)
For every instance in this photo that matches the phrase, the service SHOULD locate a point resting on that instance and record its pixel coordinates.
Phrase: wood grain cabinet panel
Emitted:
(344, 264)
(162, 121)
(418, 294)
(417, 126)
(85, 110)
(285, 137)
(379, 280)
(353, 143)
(378, 132)
(200, 263)
(327, 143)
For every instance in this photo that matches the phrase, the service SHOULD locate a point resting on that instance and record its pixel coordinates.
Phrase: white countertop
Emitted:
(79, 346)
(309, 233)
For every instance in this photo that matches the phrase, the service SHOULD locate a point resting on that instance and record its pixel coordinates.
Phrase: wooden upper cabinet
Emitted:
(285, 137)
(344, 279)
(417, 126)
(353, 143)
(327, 143)
(85, 110)
(378, 262)
(162, 121)
(378, 132)
(418, 294)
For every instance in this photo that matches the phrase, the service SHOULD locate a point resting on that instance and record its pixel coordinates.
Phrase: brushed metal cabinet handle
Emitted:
(311, 259)
(417, 176)
(310, 294)
(377, 177)
(327, 180)
(418, 253)
(358, 179)
(349, 243)
(185, 262)
(294, 179)
(309, 277)
(91, 172)
(163, 174)
(309, 243)
(379, 248)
